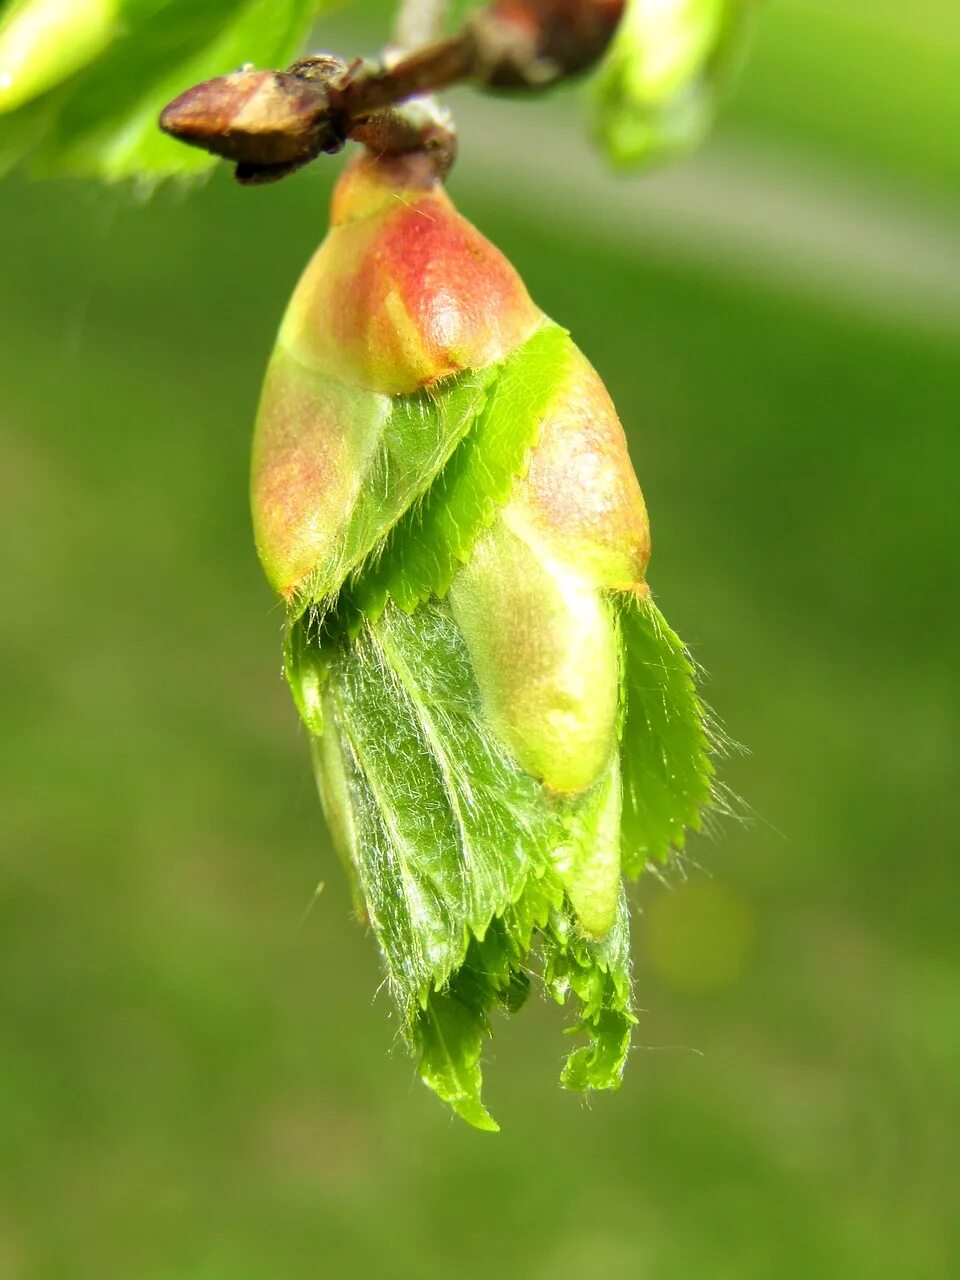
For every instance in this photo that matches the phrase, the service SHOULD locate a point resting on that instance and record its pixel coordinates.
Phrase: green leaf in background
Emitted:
(82, 82)
(658, 88)
(43, 42)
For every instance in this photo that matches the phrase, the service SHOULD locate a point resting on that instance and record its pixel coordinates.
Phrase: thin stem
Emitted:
(367, 89)
(274, 122)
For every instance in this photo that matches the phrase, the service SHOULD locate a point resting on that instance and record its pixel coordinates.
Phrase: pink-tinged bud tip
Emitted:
(404, 291)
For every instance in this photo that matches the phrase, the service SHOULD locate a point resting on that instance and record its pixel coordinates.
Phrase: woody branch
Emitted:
(273, 122)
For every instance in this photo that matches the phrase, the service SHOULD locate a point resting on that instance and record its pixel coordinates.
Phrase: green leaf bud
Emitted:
(501, 721)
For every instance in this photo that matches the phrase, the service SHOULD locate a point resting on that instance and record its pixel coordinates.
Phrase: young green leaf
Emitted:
(667, 770)
(449, 1039)
(437, 535)
(448, 827)
(597, 973)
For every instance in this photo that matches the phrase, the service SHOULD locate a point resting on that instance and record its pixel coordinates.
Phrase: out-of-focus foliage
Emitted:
(175, 1099)
(659, 86)
(83, 81)
(873, 84)
(42, 42)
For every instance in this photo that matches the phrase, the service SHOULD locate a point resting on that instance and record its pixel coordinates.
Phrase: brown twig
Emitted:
(273, 122)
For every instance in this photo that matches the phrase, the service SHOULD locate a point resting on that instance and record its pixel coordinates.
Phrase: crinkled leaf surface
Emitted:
(452, 849)
(449, 828)
(597, 974)
(87, 79)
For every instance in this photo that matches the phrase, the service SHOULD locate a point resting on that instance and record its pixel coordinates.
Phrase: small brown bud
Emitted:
(257, 118)
(530, 44)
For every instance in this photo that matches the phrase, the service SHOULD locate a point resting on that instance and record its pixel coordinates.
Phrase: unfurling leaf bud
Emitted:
(443, 496)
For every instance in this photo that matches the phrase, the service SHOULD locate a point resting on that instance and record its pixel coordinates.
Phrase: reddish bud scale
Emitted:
(404, 291)
(315, 438)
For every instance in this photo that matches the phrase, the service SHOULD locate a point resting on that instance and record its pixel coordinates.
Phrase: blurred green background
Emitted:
(196, 1079)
